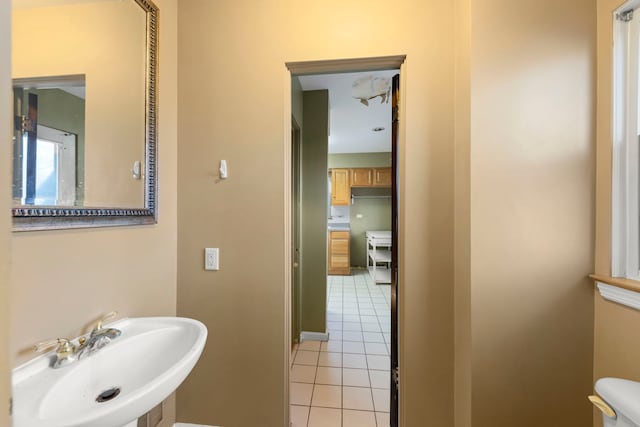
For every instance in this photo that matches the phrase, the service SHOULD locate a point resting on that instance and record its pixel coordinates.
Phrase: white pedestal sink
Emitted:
(114, 386)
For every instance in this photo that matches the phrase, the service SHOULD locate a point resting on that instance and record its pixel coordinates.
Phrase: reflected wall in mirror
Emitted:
(84, 113)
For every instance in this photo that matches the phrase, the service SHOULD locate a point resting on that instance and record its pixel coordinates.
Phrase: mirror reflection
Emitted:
(48, 142)
(79, 69)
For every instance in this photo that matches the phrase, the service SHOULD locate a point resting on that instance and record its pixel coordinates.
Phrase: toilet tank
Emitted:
(624, 398)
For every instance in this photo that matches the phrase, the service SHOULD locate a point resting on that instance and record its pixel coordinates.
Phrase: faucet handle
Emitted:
(64, 349)
(104, 318)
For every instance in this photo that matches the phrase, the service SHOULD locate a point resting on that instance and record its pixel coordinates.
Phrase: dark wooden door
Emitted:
(395, 370)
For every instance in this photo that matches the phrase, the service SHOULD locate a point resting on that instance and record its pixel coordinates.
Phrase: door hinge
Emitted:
(625, 16)
(24, 124)
(396, 376)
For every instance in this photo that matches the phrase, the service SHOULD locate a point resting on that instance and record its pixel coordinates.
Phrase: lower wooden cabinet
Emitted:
(339, 256)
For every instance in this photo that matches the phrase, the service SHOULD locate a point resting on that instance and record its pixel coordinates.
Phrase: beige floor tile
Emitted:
(298, 415)
(373, 337)
(353, 347)
(376, 348)
(330, 359)
(357, 361)
(325, 417)
(355, 377)
(303, 374)
(327, 375)
(351, 318)
(327, 396)
(335, 335)
(334, 326)
(352, 336)
(331, 346)
(380, 379)
(309, 345)
(351, 326)
(300, 394)
(306, 358)
(380, 363)
(382, 419)
(381, 400)
(358, 418)
(371, 327)
(357, 398)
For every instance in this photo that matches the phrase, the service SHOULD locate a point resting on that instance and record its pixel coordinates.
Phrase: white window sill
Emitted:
(621, 291)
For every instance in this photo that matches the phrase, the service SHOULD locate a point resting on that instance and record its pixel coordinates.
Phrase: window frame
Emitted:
(625, 231)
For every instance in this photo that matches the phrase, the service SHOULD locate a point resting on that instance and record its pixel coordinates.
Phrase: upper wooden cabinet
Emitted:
(370, 177)
(382, 177)
(340, 188)
(361, 177)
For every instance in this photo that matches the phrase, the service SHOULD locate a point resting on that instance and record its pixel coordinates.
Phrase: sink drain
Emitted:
(108, 395)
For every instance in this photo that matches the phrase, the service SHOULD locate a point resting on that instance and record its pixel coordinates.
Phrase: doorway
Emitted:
(349, 375)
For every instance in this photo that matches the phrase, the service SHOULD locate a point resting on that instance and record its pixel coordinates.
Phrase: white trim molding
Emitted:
(619, 295)
(314, 336)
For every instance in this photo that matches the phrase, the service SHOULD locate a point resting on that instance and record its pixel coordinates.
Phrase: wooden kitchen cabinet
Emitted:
(382, 177)
(369, 177)
(338, 256)
(340, 187)
(362, 177)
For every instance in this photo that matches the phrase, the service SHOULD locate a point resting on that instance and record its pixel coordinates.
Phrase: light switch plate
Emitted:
(211, 259)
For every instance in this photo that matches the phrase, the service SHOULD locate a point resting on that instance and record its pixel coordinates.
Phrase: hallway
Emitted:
(345, 382)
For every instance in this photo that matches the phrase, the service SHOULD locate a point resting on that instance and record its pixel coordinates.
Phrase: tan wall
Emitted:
(462, 216)
(532, 211)
(61, 280)
(232, 106)
(5, 200)
(617, 328)
(105, 42)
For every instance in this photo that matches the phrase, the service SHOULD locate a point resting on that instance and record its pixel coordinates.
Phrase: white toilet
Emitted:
(620, 403)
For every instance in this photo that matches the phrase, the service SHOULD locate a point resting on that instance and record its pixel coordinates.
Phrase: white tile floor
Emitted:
(344, 382)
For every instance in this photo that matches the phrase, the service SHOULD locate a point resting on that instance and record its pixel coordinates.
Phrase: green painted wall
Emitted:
(313, 251)
(375, 213)
(359, 160)
(297, 100)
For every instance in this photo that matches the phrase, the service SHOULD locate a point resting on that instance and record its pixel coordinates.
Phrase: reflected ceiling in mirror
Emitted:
(84, 113)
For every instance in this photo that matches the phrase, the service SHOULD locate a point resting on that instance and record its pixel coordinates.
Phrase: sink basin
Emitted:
(114, 386)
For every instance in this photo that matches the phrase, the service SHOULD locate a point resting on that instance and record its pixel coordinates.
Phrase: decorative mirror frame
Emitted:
(35, 218)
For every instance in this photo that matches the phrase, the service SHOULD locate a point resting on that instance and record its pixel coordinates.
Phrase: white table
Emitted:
(379, 255)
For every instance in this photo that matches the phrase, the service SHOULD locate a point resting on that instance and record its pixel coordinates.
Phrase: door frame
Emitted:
(295, 158)
(338, 66)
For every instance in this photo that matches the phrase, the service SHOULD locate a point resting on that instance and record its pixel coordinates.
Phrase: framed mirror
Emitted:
(84, 86)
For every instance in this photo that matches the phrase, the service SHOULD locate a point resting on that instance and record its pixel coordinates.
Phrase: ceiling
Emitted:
(351, 123)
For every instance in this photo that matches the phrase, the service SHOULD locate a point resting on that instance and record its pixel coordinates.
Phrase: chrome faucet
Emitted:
(67, 352)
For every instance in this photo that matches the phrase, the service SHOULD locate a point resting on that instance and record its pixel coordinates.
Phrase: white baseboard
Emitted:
(314, 336)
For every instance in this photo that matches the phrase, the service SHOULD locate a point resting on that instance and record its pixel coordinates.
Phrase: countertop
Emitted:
(338, 226)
